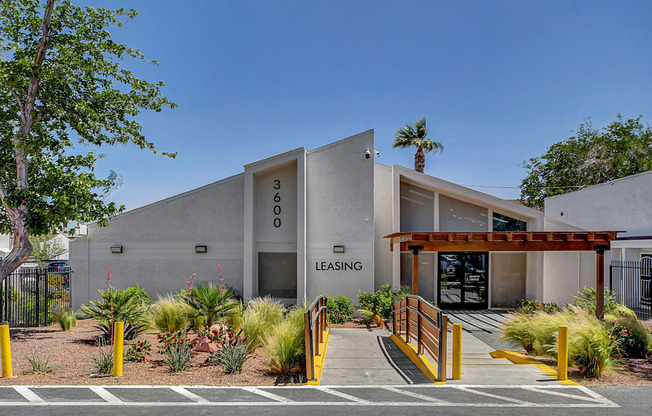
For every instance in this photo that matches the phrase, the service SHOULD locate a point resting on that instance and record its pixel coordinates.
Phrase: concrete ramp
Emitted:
(367, 357)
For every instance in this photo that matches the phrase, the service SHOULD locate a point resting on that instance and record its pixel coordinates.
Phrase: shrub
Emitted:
(222, 335)
(367, 316)
(587, 297)
(40, 363)
(232, 356)
(339, 310)
(532, 306)
(169, 315)
(285, 347)
(64, 317)
(138, 292)
(138, 351)
(103, 361)
(382, 301)
(589, 346)
(259, 318)
(518, 328)
(630, 338)
(209, 303)
(234, 320)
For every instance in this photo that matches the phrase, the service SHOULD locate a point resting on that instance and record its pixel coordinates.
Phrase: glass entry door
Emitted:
(463, 280)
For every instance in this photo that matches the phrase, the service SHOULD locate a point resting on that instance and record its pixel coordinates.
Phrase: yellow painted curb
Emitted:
(420, 360)
(518, 358)
(319, 360)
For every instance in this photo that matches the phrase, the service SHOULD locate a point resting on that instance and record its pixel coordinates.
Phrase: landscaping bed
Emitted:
(71, 353)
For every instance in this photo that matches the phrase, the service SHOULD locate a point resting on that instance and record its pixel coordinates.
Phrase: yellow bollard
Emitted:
(118, 347)
(562, 353)
(5, 351)
(457, 351)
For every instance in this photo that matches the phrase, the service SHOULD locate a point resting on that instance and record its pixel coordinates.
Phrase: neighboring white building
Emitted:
(620, 205)
(304, 223)
(6, 244)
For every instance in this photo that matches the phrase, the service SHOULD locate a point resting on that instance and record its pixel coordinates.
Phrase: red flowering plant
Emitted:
(629, 340)
(221, 334)
(138, 351)
(175, 340)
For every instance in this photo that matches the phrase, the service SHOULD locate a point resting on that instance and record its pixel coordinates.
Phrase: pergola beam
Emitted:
(597, 241)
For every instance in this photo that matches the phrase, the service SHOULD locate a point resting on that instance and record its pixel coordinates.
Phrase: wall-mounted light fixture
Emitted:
(116, 249)
(338, 249)
(201, 249)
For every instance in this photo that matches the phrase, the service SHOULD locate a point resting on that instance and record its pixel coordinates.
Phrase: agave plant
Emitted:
(209, 302)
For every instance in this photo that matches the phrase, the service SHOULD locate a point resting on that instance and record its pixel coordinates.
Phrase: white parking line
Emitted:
(28, 394)
(108, 397)
(190, 395)
(594, 400)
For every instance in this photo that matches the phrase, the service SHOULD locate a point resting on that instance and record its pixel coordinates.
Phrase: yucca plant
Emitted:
(64, 317)
(40, 363)
(178, 357)
(232, 356)
(209, 302)
(103, 361)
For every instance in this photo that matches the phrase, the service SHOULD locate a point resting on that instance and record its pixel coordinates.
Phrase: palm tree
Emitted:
(210, 303)
(415, 136)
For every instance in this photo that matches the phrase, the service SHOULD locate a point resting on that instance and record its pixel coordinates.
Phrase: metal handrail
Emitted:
(315, 321)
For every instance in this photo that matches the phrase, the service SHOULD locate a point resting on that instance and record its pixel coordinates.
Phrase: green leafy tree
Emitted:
(590, 157)
(45, 247)
(62, 89)
(415, 136)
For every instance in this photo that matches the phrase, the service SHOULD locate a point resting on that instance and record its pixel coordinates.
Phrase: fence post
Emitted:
(5, 351)
(118, 348)
(457, 351)
(443, 346)
(310, 371)
(562, 353)
(418, 326)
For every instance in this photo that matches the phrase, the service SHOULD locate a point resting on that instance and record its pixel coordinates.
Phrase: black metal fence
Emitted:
(29, 294)
(632, 283)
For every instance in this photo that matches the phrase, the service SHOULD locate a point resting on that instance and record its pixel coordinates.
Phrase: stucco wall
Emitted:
(382, 224)
(159, 243)
(340, 211)
(620, 205)
(508, 278)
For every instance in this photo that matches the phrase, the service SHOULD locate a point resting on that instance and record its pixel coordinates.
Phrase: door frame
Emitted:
(463, 304)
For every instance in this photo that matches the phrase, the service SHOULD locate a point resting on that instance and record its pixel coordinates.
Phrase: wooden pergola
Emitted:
(597, 241)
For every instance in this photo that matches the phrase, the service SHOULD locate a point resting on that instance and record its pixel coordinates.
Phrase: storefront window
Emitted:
(456, 215)
(505, 223)
(417, 208)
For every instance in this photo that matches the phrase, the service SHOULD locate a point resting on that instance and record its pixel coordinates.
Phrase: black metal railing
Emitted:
(28, 295)
(632, 283)
(315, 323)
(425, 325)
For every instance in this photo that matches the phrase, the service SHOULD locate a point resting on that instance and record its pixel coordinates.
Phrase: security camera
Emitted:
(377, 153)
(367, 154)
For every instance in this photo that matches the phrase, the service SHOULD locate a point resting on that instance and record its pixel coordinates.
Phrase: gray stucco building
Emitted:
(303, 223)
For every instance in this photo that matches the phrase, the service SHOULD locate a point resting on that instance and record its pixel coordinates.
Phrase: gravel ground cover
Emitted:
(72, 353)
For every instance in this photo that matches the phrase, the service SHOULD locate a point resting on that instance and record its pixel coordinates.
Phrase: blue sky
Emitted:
(499, 81)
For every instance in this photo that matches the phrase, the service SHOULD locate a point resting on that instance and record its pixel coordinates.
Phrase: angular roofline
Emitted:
(329, 145)
(170, 198)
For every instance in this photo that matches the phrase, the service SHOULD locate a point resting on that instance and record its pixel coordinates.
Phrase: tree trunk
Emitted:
(22, 247)
(419, 160)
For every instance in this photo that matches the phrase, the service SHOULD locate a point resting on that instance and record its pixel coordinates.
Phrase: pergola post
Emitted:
(415, 268)
(599, 283)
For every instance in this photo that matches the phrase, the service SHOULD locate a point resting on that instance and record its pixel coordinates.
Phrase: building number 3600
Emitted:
(277, 200)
